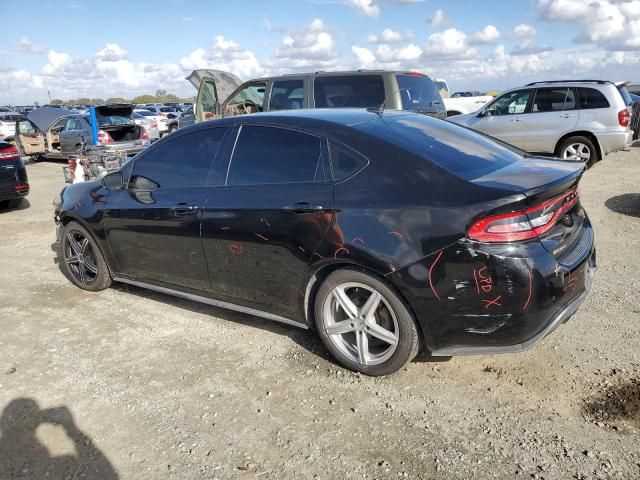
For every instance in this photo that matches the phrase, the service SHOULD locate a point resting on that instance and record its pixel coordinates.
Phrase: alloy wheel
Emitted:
(80, 258)
(577, 151)
(360, 323)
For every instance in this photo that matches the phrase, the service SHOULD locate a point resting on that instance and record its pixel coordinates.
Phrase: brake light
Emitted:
(10, 153)
(22, 187)
(154, 125)
(143, 134)
(104, 138)
(524, 224)
(623, 117)
(416, 74)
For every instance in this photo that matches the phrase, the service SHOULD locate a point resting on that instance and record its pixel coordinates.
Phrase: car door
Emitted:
(72, 135)
(214, 86)
(262, 228)
(30, 139)
(153, 225)
(553, 113)
(504, 117)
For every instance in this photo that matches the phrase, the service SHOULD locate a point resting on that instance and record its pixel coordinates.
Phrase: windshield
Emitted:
(145, 113)
(417, 92)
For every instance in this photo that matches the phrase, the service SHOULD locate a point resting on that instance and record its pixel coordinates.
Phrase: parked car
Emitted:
(187, 118)
(465, 104)
(8, 125)
(382, 231)
(582, 120)
(150, 125)
(159, 119)
(14, 183)
(163, 111)
(223, 94)
(56, 133)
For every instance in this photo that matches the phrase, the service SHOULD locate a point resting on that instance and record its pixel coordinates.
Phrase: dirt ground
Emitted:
(132, 384)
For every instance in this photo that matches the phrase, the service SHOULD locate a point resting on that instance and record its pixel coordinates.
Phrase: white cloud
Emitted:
(187, 19)
(390, 36)
(524, 31)
(488, 34)
(611, 24)
(364, 7)
(25, 45)
(450, 43)
(365, 57)
(529, 47)
(436, 19)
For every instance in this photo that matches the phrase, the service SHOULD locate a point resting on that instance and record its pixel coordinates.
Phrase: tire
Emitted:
(579, 148)
(364, 341)
(82, 262)
(172, 129)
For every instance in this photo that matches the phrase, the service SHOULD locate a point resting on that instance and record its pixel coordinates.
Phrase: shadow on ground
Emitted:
(46, 443)
(11, 205)
(627, 204)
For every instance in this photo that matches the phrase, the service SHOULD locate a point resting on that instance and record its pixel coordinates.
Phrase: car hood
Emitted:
(44, 117)
(465, 119)
(225, 82)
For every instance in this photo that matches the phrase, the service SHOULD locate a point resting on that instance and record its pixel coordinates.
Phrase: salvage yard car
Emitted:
(57, 133)
(582, 120)
(382, 231)
(14, 184)
(412, 91)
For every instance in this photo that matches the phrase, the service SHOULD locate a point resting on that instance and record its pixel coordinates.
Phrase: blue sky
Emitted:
(122, 48)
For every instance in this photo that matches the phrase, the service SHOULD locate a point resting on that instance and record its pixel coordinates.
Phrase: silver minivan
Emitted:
(583, 120)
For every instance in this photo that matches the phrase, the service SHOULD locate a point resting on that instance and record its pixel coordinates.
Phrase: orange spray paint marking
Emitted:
(261, 236)
(301, 249)
(341, 249)
(318, 255)
(526, 304)
(357, 239)
(397, 234)
(431, 270)
(224, 229)
(235, 249)
(495, 301)
(264, 220)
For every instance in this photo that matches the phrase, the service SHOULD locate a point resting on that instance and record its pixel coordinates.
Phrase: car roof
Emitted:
(322, 73)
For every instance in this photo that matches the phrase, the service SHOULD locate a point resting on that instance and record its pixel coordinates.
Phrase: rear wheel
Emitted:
(81, 260)
(364, 324)
(578, 148)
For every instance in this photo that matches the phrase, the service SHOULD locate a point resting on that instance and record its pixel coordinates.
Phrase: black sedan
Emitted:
(14, 184)
(383, 232)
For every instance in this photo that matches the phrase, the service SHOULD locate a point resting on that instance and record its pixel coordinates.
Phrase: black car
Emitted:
(384, 232)
(14, 184)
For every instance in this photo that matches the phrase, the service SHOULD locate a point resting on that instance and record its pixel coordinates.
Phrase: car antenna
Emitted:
(380, 110)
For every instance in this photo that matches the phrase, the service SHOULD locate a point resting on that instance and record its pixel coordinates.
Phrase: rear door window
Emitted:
(349, 91)
(181, 162)
(591, 98)
(345, 162)
(268, 155)
(624, 93)
(417, 92)
(553, 100)
(287, 95)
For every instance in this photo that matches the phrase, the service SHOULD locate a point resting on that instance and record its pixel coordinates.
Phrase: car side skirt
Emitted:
(212, 302)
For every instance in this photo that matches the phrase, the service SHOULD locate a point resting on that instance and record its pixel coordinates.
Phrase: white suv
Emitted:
(581, 119)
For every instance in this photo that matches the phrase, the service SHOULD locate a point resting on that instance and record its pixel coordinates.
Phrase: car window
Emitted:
(26, 127)
(73, 123)
(359, 91)
(183, 161)
(512, 103)
(591, 98)
(287, 95)
(624, 93)
(417, 92)
(266, 155)
(553, 100)
(345, 162)
(247, 100)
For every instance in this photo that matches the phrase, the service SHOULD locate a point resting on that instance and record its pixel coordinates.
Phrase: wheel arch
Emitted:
(68, 217)
(580, 133)
(320, 272)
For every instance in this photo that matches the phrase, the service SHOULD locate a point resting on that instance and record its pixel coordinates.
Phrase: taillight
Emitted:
(22, 187)
(104, 138)
(623, 117)
(154, 125)
(525, 224)
(10, 153)
(143, 134)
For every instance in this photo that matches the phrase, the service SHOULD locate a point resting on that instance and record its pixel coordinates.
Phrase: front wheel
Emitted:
(579, 148)
(81, 260)
(364, 324)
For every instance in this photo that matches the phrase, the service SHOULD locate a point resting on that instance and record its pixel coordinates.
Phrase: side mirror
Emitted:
(113, 181)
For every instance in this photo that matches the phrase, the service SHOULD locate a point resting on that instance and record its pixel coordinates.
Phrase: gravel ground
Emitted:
(132, 384)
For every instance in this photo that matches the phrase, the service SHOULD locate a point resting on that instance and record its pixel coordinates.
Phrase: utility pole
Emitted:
(49, 92)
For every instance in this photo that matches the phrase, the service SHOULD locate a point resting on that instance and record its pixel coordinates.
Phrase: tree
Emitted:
(117, 100)
(160, 95)
(143, 99)
(57, 101)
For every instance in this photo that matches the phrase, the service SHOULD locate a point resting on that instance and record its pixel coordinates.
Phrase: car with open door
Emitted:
(57, 133)
(383, 232)
(374, 89)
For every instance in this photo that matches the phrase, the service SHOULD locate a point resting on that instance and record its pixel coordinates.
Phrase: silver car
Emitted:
(583, 120)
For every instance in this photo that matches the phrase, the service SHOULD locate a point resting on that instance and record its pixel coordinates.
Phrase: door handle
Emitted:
(566, 115)
(184, 209)
(303, 207)
(516, 120)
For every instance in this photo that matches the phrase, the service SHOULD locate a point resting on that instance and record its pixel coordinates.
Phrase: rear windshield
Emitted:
(460, 151)
(167, 109)
(625, 95)
(417, 92)
(349, 91)
(146, 113)
(10, 118)
(114, 120)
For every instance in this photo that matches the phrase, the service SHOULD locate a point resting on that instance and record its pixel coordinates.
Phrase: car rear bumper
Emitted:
(13, 182)
(13, 191)
(614, 141)
(472, 298)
